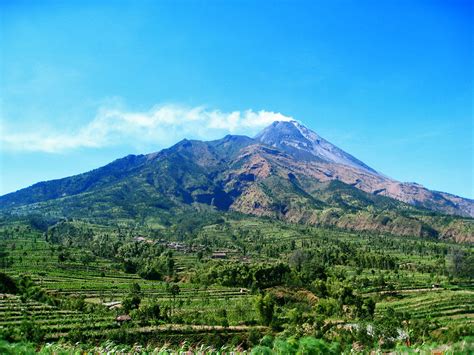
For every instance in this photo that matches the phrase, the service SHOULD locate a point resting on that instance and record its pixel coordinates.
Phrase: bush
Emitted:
(267, 341)
(150, 273)
(16, 348)
(280, 346)
(130, 303)
(265, 308)
(149, 313)
(7, 284)
(328, 307)
(31, 331)
(310, 345)
(262, 350)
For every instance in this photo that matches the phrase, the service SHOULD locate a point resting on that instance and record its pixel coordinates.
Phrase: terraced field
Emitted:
(99, 282)
(405, 274)
(446, 307)
(55, 323)
(52, 321)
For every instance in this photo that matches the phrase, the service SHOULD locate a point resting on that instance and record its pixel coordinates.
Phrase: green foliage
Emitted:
(328, 307)
(265, 306)
(462, 263)
(133, 299)
(8, 348)
(262, 350)
(267, 341)
(281, 346)
(30, 331)
(173, 290)
(285, 281)
(246, 275)
(306, 345)
(149, 313)
(7, 284)
(388, 327)
(310, 345)
(130, 303)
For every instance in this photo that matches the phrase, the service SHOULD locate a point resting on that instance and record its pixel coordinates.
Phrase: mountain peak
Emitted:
(298, 140)
(248, 175)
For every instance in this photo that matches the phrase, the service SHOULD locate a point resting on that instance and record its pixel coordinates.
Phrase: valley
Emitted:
(273, 280)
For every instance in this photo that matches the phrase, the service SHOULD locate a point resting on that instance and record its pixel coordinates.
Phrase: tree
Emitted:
(135, 289)
(7, 284)
(462, 264)
(310, 345)
(265, 306)
(319, 288)
(170, 264)
(129, 266)
(199, 255)
(388, 325)
(174, 291)
(62, 257)
(365, 308)
(149, 312)
(297, 258)
(4, 262)
(130, 303)
(150, 272)
(86, 258)
(133, 300)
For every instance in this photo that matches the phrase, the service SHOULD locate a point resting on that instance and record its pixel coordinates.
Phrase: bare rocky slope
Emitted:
(335, 164)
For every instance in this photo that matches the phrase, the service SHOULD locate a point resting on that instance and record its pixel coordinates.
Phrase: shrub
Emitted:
(262, 350)
(267, 341)
(310, 345)
(31, 331)
(280, 346)
(7, 284)
(265, 308)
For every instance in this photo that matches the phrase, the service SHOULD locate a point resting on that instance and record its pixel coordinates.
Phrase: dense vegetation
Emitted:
(229, 281)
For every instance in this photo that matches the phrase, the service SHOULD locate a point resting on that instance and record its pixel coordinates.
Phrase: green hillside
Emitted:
(273, 282)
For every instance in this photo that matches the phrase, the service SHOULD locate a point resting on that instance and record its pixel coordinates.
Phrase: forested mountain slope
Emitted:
(286, 172)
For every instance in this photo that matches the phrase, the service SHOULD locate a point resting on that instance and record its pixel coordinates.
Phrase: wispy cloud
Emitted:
(160, 126)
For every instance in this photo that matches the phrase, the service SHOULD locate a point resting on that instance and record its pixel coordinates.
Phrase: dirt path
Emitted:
(170, 328)
(181, 327)
(415, 290)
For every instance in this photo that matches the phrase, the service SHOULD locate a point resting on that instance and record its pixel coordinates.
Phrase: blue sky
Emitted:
(85, 82)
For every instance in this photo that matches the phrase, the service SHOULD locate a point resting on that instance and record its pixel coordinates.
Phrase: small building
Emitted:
(111, 304)
(123, 318)
(219, 255)
(141, 239)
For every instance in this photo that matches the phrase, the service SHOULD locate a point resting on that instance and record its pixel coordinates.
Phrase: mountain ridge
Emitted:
(272, 175)
(411, 193)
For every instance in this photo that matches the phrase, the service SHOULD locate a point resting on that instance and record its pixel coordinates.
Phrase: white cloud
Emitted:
(162, 125)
